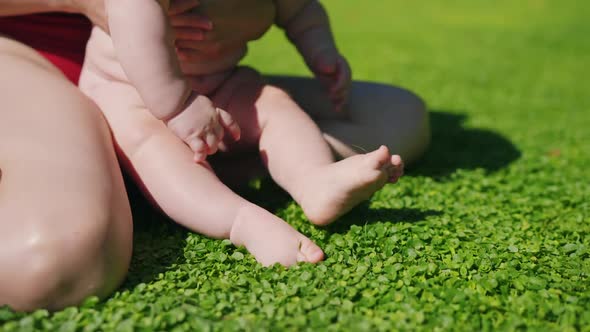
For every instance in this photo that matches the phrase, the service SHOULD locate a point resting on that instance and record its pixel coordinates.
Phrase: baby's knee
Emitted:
(275, 94)
(58, 260)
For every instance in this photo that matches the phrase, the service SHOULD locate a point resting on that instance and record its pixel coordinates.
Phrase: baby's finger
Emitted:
(341, 105)
(338, 105)
(340, 99)
(337, 92)
(340, 94)
(199, 157)
(326, 82)
(212, 143)
(343, 76)
(218, 131)
(199, 148)
(222, 147)
(326, 63)
(230, 124)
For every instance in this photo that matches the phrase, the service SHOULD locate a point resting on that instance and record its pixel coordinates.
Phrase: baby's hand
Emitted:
(334, 73)
(202, 127)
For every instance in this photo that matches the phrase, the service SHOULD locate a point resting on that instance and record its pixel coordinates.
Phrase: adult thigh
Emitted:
(65, 222)
(377, 114)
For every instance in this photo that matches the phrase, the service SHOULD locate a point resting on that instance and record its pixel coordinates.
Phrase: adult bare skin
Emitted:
(65, 222)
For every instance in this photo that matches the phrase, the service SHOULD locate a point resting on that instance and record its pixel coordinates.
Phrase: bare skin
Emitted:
(59, 214)
(32, 272)
(295, 152)
(65, 221)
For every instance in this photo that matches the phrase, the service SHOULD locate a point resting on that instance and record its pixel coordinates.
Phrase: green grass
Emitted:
(489, 232)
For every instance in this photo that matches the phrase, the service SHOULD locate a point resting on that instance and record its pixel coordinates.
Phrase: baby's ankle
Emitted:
(241, 226)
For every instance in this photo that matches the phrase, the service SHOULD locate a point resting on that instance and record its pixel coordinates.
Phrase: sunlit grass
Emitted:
(489, 232)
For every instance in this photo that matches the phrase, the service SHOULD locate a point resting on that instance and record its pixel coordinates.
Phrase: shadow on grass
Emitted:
(158, 243)
(455, 147)
(270, 196)
(363, 215)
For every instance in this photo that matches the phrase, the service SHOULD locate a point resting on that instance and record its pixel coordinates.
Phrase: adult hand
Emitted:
(221, 30)
(186, 23)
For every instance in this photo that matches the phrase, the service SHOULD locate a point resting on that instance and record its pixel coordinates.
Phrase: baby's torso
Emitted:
(101, 59)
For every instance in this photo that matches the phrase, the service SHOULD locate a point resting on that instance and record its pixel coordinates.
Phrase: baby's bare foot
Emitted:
(333, 190)
(271, 240)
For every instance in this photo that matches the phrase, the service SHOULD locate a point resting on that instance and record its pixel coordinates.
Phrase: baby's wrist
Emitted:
(169, 109)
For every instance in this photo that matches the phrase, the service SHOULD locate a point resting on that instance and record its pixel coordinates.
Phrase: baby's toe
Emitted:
(378, 158)
(309, 252)
(397, 161)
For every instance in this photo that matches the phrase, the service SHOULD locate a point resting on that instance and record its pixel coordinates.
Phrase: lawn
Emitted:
(491, 231)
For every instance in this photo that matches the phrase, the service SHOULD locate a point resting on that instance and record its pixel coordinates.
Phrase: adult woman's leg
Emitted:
(377, 114)
(65, 222)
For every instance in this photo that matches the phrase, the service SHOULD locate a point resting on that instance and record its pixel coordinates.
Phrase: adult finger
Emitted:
(191, 20)
(181, 6)
(186, 54)
(188, 44)
(185, 37)
(230, 124)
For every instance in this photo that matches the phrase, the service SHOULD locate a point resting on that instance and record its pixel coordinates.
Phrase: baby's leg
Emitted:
(296, 154)
(188, 192)
(377, 114)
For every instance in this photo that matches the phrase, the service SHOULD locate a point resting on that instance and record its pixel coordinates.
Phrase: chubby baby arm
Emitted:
(143, 42)
(202, 126)
(307, 26)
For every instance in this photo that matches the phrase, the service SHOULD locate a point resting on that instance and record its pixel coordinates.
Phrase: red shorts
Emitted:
(61, 38)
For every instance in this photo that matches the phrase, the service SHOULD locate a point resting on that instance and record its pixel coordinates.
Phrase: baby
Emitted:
(211, 104)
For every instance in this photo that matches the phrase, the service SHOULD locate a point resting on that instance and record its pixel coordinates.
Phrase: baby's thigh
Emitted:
(252, 103)
(238, 96)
